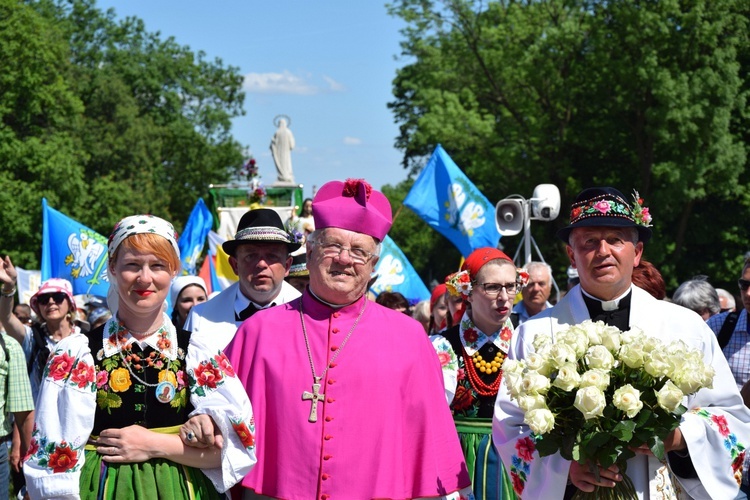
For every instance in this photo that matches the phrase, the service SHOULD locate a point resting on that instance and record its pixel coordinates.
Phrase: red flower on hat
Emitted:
(351, 187)
(575, 213)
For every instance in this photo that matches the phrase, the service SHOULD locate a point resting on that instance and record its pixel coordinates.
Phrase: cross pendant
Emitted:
(314, 397)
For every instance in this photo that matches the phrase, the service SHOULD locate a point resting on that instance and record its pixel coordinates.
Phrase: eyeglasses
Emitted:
(358, 255)
(494, 289)
(58, 297)
(744, 284)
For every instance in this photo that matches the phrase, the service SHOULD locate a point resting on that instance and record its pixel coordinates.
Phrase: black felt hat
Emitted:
(607, 207)
(262, 225)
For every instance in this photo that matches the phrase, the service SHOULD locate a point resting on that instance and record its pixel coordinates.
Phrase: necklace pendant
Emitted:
(165, 391)
(314, 397)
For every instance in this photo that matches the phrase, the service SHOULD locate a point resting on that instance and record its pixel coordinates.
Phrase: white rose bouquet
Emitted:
(596, 392)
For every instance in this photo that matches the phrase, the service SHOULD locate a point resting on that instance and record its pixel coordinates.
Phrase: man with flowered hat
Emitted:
(348, 395)
(259, 255)
(604, 241)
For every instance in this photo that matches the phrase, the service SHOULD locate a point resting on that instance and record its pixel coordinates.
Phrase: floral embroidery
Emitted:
(471, 336)
(459, 284)
(102, 378)
(224, 364)
(60, 457)
(62, 367)
(166, 375)
(209, 374)
(119, 380)
(736, 449)
(82, 375)
(521, 463)
(245, 433)
(599, 206)
(602, 206)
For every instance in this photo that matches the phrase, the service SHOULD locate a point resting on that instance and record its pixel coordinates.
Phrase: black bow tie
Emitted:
(619, 317)
(250, 310)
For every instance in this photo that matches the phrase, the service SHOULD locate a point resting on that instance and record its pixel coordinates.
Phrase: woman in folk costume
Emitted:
(112, 401)
(476, 348)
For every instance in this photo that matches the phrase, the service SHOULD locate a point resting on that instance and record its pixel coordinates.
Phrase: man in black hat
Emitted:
(259, 255)
(605, 241)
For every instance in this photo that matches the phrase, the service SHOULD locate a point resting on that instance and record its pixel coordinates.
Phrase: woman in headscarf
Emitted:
(113, 400)
(487, 284)
(53, 304)
(186, 292)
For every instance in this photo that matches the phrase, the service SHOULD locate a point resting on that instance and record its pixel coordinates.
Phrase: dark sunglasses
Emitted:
(744, 284)
(58, 297)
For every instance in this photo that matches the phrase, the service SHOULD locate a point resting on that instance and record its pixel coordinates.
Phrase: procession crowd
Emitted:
(296, 383)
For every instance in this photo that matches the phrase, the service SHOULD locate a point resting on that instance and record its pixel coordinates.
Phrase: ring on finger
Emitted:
(190, 436)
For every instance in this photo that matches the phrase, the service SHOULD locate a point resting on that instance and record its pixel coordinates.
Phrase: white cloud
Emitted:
(352, 141)
(288, 83)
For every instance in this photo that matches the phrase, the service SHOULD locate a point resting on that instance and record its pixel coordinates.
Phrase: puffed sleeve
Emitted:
(216, 391)
(63, 421)
(449, 364)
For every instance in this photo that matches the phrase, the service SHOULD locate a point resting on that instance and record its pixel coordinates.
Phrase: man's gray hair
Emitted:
(535, 265)
(698, 295)
(731, 304)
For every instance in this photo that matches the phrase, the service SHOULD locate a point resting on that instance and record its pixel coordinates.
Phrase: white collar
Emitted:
(609, 305)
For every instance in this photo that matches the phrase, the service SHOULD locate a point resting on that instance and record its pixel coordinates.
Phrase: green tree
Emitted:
(640, 95)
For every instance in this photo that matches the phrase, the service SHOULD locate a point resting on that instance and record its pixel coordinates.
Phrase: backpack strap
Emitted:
(727, 329)
(7, 360)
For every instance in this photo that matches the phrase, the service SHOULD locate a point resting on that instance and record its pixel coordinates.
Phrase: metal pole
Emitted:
(527, 231)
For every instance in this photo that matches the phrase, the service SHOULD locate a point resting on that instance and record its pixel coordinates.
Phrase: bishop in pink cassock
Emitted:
(347, 394)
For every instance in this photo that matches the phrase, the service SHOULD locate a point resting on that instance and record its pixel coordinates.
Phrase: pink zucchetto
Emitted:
(352, 205)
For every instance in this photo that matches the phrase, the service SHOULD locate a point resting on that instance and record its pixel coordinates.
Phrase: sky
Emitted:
(326, 64)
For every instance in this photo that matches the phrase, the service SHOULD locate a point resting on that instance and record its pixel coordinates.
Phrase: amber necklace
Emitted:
(316, 396)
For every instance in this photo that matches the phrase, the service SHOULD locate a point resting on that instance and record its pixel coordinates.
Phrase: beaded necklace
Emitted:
(477, 384)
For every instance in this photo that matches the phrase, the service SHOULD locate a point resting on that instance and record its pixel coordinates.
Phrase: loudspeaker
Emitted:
(545, 202)
(509, 216)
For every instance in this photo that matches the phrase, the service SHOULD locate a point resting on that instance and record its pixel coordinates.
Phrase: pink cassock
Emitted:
(383, 429)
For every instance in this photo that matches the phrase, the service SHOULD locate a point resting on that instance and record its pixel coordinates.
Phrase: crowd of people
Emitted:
(297, 383)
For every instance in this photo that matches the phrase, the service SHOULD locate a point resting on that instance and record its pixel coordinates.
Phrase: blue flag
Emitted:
(396, 274)
(74, 252)
(448, 201)
(193, 237)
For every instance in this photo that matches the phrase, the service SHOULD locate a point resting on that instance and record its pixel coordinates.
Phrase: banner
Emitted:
(28, 283)
(447, 200)
(396, 274)
(223, 271)
(193, 237)
(74, 252)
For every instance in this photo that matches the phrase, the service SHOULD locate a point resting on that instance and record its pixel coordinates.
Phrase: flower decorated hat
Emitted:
(607, 207)
(262, 225)
(461, 283)
(353, 205)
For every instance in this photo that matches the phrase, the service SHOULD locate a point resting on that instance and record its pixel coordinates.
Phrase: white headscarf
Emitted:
(181, 282)
(136, 224)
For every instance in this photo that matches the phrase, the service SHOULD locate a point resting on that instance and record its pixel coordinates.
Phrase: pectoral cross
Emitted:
(314, 397)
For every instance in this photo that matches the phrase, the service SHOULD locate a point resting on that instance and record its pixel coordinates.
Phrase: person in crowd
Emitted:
(23, 313)
(113, 400)
(17, 416)
(363, 403)
(698, 295)
(726, 300)
(648, 277)
(99, 316)
(605, 241)
(259, 255)
(305, 223)
(456, 306)
(731, 329)
(298, 275)
(53, 303)
(438, 309)
(535, 295)
(186, 292)
(488, 284)
(573, 279)
(395, 301)
(421, 313)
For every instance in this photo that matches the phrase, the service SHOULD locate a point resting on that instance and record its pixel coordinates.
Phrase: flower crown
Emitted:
(641, 215)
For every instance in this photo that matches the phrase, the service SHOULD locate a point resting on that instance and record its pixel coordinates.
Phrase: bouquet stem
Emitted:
(623, 490)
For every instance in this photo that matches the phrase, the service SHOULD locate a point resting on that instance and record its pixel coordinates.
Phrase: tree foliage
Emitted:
(646, 95)
(105, 119)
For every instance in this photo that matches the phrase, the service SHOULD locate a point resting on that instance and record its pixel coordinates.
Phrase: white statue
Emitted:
(281, 149)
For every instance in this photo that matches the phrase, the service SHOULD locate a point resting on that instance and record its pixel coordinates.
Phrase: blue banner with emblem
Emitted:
(193, 237)
(396, 274)
(74, 252)
(449, 202)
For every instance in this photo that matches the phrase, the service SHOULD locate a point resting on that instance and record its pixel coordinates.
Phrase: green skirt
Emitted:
(488, 475)
(156, 478)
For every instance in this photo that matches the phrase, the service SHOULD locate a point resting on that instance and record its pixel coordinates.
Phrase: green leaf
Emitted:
(657, 447)
(624, 430)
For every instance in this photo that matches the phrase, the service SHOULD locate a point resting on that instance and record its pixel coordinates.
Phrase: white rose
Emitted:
(611, 339)
(560, 353)
(539, 420)
(599, 356)
(576, 338)
(535, 383)
(532, 402)
(635, 334)
(669, 396)
(593, 331)
(595, 378)
(537, 362)
(628, 399)
(708, 376)
(513, 383)
(651, 344)
(567, 377)
(590, 402)
(657, 364)
(689, 379)
(632, 354)
(512, 366)
(541, 339)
